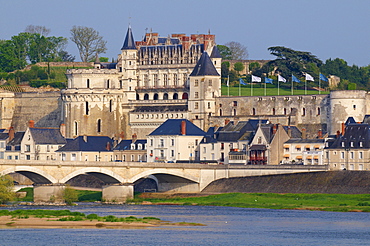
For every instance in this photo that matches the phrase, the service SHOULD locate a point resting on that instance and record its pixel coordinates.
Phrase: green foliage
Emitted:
(70, 195)
(6, 189)
(29, 195)
(103, 59)
(89, 196)
(225, 52)
(351, 86)
(239, 66)
(254, 66)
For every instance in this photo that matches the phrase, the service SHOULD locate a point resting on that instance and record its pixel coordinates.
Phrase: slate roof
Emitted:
(167, 108)
(129, 43)
(173, 127)
(353, 135)
(350, 120)
(93, 143)
(210, 136)
(204, 66)
(366, 119)
(295, 132)
(3, 136)
(215, 52)
(18, 136)
(243, 130)
(47, 136)
(126, 144)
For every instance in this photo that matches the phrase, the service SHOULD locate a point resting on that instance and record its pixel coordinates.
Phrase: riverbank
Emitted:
(320, 202)
(65, 219)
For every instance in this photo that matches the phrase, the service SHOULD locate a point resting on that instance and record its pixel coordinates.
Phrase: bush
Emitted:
(6, 189)
(70, 195)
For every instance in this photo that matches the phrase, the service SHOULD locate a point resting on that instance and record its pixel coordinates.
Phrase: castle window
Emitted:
(155, 80)
(304, 112)
(209, 105)
(87, 108)
(318, 111)
(342, 155)
(284, 111)
(165, 79)
(185, 78)
(253, 111)
(354, 107)
(76, 128)
(98, 129)
(220, 112)
(108, 84)
(235, 103)
(175, 96)
(137, 97)
(210, 82)
(155, 96)
(196, 105)
(196, 83)
(361, 144)
(146, 97)
(165, 96)
(196, 94)
(175, 79)
(234, 112)
(120, 84)
(146, 80)
(88, 83)
(110, 105)
(273, 111)
(360, 155)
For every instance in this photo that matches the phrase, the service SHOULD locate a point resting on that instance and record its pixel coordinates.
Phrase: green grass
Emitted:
(83, 195)
(271, 90)
(323, 202)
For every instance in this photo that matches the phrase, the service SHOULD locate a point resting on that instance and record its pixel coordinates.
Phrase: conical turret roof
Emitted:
(204, 66)
(215, 52)
(129, 43)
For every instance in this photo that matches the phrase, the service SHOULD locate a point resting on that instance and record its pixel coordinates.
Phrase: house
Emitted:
(131, 150)
(87, 148)
(41, 143)
(3, 141)
(304, 151)
(13, 147)
(176, 140)
(349, 150)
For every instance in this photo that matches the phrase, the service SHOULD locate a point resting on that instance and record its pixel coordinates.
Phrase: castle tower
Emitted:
(205, 86)
(216, 58)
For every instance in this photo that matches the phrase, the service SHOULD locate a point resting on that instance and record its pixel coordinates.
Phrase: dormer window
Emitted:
(361, 144)
(132, 146)
(351, 144)
(342, 144)
(139, 146)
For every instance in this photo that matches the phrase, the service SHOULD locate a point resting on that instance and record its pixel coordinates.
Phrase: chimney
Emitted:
(62, 130)
(85, 138)
(274, 128)
(183, 127)
(134, 137)
(31, 124)
(122, 135)
(343, 128)
(304, 133)
(319, 134)
(338, 134)
(11, 133)
(107, 146)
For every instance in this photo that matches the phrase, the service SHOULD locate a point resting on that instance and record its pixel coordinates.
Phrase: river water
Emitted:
(225, 226)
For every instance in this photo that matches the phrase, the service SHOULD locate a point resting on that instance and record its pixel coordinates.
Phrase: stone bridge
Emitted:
(50, 177)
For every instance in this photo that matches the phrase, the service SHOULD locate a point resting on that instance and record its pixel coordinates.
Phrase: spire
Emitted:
(204, 66)
(215, 52)
(129, 43)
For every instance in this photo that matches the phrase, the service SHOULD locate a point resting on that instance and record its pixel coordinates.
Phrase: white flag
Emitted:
(256, 79)
(281, 78)
(309, 77)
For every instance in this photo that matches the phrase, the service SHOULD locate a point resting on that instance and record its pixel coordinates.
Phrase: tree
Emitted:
(254, 66)
(6, 189)
(225, 66)
(225, 52)
(238, 51)
(70, 195)
(239, 66)
(42, 30)
(88, 41)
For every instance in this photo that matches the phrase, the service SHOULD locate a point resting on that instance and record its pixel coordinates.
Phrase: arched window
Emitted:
(88, 83)
(234, 111)
(110, 105)
(185, 95)
(75, 128)
(137, 97)
(155, 96)
(303, 111)
(98, 129)
(146, 97)
(120, 84)
(220, 112)
(273, 111)
(87, 108)
(108, 84)
(165, 96)
(284, 111)
(175, 96)
(253, 111)
(318, 111)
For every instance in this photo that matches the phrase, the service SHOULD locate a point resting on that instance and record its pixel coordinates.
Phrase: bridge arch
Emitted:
(154, 172)
(107, 176)
(37, 176)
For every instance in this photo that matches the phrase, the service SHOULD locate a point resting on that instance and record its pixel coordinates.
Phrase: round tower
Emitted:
(344, 104)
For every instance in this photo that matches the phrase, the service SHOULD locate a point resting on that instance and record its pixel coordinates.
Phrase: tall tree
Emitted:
(88, 41)
(225, 52)
(238, 51)
(239, 66)
(42, 30)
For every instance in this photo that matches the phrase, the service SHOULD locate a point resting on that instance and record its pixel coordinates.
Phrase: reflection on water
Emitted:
(225, 226)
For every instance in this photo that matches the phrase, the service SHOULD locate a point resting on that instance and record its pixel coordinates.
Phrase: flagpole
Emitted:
(251, 88)
(278, 87)
(239, 87)
(228, 85)
(292, 84)
(265, 87)
(305, 85)
(319, 84)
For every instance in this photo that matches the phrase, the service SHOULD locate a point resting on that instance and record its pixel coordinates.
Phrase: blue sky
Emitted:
(326, 28)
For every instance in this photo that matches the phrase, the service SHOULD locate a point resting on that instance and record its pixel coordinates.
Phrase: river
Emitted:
(225, 226)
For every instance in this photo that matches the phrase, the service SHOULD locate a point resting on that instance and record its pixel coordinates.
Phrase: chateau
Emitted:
(160, 78)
